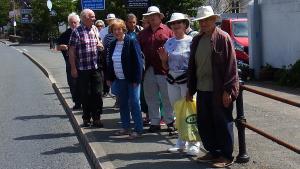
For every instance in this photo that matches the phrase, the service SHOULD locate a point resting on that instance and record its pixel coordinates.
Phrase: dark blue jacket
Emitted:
(131, 59)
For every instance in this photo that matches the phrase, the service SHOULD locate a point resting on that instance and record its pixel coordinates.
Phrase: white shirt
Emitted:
(179, 53)
(117, 62)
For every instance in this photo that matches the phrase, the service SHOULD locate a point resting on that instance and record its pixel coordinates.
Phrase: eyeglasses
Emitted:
(175, 22)
(99, 26)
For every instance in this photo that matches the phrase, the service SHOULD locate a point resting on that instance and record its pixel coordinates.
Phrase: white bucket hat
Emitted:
(153, 10)
(204, 12)
(177, 17)
(110, 16)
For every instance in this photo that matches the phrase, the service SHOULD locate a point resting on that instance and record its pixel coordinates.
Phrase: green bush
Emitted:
(289, 76)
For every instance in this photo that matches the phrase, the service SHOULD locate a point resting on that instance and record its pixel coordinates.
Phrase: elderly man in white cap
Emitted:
(212, 73)
(151, 39)
(109, 19)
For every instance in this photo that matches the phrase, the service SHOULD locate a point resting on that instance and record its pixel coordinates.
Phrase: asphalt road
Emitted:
(35, 132)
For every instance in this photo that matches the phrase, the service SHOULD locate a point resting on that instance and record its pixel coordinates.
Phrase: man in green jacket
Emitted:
(213, 75)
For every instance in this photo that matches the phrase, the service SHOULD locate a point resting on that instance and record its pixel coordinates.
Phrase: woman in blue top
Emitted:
(124, 67)
(175, 57)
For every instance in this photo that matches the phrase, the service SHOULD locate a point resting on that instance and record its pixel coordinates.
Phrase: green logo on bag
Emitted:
(192, 119)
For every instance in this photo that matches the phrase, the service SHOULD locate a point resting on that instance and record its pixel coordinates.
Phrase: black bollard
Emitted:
(51, 43)
(240, 118)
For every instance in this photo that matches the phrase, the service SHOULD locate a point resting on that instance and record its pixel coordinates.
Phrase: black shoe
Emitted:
(154, 128)
(77, 107)
(86, 123)
(171, 127)
(97, 124)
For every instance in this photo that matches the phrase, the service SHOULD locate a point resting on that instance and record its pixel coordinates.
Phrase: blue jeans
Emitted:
(129, 102)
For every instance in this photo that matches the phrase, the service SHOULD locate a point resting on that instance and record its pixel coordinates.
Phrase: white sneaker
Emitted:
(175, 149)
(180, 146)
(193, 150)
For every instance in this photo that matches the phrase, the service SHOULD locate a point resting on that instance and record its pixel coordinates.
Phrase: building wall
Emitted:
(280, 32)
(244, 6)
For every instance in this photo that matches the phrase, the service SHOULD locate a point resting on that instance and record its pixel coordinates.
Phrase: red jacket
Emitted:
(224, 66)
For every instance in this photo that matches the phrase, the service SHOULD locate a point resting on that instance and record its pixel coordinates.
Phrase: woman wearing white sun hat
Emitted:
(174, 56)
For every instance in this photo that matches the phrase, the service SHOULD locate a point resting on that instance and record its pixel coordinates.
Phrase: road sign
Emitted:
(93, 4)
(53, 13)
(138, 3)
(26, 15)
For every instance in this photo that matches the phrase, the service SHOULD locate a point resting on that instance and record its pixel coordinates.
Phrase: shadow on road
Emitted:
(45, 136)
(76, 148)
(40, 117)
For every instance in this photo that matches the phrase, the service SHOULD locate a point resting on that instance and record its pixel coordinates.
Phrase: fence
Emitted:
(241, 123)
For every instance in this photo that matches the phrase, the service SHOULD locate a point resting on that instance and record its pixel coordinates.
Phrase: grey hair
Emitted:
(130, 16)
(73, 15)
(84, 13)
(100, 22)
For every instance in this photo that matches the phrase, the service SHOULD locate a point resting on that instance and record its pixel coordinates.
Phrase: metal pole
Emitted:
(242, 156)
(50, 38)
(14, 24)
(271, 96)
(276, 140)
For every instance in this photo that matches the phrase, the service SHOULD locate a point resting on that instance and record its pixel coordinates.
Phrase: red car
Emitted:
(238, 31)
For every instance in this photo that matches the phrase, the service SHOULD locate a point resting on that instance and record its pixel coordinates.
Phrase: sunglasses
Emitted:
(99, 26)
(176, 22)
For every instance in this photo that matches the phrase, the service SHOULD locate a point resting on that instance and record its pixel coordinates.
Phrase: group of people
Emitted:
(163, 64)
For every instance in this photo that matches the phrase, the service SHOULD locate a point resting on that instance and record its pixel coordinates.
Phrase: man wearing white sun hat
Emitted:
(109, 19)
(212, 73)
(151, 39)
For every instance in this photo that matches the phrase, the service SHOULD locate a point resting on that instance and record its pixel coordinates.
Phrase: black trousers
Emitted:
(72, 82)
(215, 125)
(90, 82)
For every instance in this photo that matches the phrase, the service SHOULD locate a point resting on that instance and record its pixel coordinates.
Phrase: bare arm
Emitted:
(62, 47)
(72, 59)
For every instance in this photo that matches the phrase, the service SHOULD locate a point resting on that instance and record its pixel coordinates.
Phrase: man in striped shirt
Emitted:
(84, 45)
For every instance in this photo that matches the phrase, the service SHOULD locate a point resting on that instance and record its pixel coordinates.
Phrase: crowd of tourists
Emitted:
(151, 67)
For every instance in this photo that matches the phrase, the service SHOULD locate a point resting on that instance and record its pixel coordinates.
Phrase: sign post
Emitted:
(138, 3)
(95, 5)
(26, 15)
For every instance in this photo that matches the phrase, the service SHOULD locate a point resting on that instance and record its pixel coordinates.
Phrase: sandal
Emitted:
(122, 132)
(134, 135)
(222, 162)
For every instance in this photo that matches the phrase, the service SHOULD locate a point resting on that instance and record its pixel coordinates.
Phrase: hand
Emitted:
(188, 97)
(100, 46)
(226, 99)
(63, 47)
(74, 72)
(108, 82)
(163, 54)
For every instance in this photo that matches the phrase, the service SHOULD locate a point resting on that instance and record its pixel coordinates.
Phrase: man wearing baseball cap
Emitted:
(155, 83)
(212, 73)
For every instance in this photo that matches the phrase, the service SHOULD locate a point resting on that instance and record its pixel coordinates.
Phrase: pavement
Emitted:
(109, 152)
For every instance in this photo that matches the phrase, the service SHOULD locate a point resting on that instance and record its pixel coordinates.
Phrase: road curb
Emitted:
(93, 155)
(3, 42)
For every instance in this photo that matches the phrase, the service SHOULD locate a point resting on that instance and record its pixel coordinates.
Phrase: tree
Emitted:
(4, 9)
(184, 6)
(167, 7)
(43, 22)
